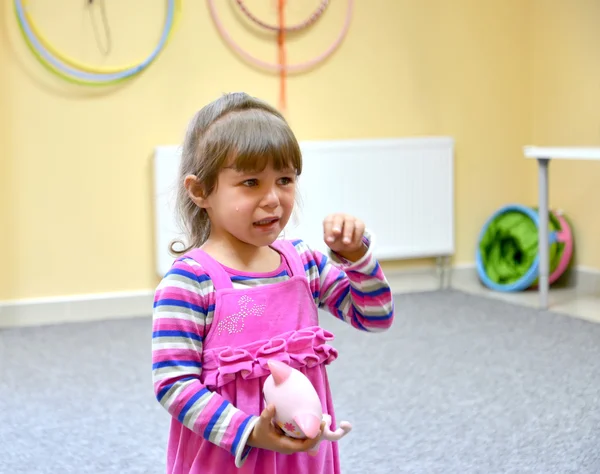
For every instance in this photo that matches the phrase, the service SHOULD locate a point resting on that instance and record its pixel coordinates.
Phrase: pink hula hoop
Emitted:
(276, 67)
(565, 235)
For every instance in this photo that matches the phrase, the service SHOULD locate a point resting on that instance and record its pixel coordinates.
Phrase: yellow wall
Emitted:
(566, 103)
(79, 215)
(7, 231)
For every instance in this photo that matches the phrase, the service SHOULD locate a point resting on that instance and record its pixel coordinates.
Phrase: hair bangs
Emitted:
(260, 139)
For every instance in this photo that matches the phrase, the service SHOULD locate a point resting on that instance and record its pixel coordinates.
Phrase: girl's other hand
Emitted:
(267, 435)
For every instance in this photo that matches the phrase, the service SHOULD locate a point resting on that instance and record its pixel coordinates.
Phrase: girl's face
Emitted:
(251, 207)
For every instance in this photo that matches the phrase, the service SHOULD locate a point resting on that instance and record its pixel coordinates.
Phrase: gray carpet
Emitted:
(461, 384)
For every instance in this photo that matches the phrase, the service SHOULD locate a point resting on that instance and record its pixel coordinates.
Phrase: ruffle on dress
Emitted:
(302, 348)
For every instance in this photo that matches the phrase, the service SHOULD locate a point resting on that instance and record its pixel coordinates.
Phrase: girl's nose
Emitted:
(271, 198)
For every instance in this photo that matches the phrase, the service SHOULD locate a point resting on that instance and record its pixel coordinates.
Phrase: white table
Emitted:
(543, 155)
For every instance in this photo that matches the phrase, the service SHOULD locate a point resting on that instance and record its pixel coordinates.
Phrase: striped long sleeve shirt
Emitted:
(184, 304)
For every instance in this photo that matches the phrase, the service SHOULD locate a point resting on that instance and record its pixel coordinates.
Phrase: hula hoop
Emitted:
(277, 67)
(564, 236)
(288, 29)
(87, 74)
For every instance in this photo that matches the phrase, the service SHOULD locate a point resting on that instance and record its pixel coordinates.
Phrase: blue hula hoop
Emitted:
(91, 76)
(532, 273)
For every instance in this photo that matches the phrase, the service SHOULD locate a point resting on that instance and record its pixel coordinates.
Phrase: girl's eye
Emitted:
(286, 180)
(250, 182)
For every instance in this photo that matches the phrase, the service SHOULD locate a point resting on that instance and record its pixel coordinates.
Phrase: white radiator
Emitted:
(403, 188)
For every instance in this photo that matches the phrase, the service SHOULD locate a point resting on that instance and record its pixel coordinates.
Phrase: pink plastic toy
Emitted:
(298, 409)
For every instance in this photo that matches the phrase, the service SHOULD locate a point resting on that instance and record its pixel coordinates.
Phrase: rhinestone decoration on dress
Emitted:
(235, 323)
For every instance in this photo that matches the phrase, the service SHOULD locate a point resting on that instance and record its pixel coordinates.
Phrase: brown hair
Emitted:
(234, 130)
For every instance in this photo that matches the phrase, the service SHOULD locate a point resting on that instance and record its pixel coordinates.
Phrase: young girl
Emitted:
(238, 296)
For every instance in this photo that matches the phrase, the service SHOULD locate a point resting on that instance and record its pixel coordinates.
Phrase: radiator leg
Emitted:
(448, 270)
(439, 266)
(443, 268)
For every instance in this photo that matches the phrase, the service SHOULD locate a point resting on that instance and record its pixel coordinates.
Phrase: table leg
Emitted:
(543, 231)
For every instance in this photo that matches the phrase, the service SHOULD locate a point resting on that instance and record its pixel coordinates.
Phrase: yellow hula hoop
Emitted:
(87, 67)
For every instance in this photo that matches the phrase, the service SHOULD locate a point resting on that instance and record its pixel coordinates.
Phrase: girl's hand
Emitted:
(267, 435)
(343, 234)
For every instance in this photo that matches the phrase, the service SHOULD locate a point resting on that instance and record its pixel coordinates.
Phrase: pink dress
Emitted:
(250, 326)
(214, 330)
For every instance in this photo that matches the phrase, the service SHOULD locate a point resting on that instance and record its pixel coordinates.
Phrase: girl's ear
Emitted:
(195, 191)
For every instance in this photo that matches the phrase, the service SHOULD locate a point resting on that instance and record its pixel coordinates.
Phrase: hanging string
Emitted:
(105, 24)
(282, 56)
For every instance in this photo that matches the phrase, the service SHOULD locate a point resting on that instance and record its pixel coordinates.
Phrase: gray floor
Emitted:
(461, 384)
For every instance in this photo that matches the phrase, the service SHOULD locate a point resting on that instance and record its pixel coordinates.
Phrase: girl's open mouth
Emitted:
(266, 222)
